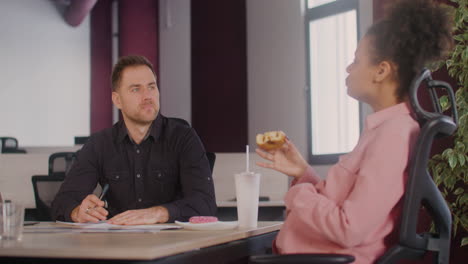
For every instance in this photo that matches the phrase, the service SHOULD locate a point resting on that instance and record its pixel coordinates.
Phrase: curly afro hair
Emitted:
(412, 34)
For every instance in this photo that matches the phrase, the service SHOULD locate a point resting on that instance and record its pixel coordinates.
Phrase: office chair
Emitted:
(46, 186)
(10, 145)
(421, 191)
(60, 163)
(81, 140)
(211, 159)
(210, 155)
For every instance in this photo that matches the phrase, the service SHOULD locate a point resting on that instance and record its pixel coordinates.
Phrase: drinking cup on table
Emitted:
(12, 215)
(247, 194)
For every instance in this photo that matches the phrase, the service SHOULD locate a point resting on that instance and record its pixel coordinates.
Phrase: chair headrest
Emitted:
(432, 85)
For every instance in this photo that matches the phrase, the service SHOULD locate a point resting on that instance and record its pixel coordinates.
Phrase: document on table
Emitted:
(103, 226)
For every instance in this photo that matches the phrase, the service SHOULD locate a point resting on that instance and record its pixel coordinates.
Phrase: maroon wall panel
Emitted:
(219, 74)
(138, 29)
(101, 66)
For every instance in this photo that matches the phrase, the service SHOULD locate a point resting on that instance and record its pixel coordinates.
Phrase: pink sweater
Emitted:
(359, 203)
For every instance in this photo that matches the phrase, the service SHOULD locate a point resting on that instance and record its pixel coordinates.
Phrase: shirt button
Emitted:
(138, 151)
(159, 175)
(138, 175)
(139, 200)
(208, 178)
(117, 176)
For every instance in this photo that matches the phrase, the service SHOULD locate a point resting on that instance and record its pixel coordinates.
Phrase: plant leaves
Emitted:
(444, 102)
(460, 147)
(449, 181)
(449, 63)
(450, 168)
(461, 159)
(464, 199)
(464, 241)
(447, 153)
(464, 54)
(458, 191)
(452, 161)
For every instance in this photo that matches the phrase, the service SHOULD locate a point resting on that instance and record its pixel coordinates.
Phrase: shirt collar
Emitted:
(154, 131)
(377, 118)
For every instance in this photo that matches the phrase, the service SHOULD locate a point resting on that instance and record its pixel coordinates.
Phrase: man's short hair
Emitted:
(124, 62)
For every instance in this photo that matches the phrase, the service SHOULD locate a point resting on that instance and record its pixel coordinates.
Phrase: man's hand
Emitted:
(152, 215)
(91, 209)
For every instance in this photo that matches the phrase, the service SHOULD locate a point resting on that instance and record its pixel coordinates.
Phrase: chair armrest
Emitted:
(302, 259)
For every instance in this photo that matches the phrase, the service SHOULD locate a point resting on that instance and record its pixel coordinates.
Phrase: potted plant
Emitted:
(450, 168)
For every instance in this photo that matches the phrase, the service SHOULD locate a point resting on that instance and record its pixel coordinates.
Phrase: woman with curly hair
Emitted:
(356, 209)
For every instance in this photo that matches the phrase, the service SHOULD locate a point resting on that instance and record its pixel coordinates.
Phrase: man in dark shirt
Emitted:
(156, 166)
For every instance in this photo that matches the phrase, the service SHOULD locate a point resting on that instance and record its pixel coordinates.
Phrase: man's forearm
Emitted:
(183, 209)
(161, 214)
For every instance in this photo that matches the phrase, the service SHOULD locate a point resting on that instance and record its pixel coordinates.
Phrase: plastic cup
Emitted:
(12, 220)
(247, 194)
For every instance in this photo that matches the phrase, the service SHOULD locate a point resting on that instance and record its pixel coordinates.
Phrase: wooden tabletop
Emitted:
(260, 204)
(138, 246)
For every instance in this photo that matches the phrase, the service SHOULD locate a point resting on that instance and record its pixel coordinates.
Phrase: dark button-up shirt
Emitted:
(168, 168)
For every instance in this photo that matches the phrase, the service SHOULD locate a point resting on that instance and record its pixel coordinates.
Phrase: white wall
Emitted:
(366, 18)
(276, 69)
(276, 64)
(44, 74)
(175, 58)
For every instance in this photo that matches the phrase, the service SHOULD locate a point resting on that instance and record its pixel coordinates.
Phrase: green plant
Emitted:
(450, 169)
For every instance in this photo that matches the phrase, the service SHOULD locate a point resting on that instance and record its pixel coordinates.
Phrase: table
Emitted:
(267, 210)
(168, 246)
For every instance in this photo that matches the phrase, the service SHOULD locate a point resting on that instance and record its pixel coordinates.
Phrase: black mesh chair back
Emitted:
(211, 159)
(210, 155)
(47, 186)
(81, 140)
(180, 121)
(10, 145)
(60, 163)
(421, 191)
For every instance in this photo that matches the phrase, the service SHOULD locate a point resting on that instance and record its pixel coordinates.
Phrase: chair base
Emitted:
(302, 259)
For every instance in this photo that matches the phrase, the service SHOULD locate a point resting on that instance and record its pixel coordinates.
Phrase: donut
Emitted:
(271, 140)
(202, 219)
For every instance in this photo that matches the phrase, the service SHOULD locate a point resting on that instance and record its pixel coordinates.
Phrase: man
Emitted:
(156, 167)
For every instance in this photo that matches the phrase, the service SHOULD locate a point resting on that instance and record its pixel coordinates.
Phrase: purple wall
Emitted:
(219, 74)
(101, 66)
(138, 34)
(138, 29)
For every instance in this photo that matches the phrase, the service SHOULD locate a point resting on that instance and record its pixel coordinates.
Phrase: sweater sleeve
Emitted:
(309, 176)
(377, 188)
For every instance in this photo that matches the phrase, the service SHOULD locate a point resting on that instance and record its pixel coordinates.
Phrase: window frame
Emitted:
(311, 14)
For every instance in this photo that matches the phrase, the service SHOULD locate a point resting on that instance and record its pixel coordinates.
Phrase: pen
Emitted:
(104, 191)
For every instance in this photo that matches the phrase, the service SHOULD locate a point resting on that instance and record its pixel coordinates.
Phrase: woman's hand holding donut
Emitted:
(285, 159)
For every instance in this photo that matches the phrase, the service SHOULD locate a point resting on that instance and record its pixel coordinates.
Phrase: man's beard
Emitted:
(140, 121)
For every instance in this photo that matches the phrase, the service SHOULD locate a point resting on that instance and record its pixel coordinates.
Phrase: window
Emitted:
(315, 3)
(331, 35)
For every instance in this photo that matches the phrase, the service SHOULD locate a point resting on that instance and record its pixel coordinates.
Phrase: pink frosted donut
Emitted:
(202, 219)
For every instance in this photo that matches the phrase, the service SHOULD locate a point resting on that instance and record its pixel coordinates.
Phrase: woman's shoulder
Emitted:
(403, 123)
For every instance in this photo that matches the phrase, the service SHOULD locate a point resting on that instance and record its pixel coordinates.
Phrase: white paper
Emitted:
(103, 225)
